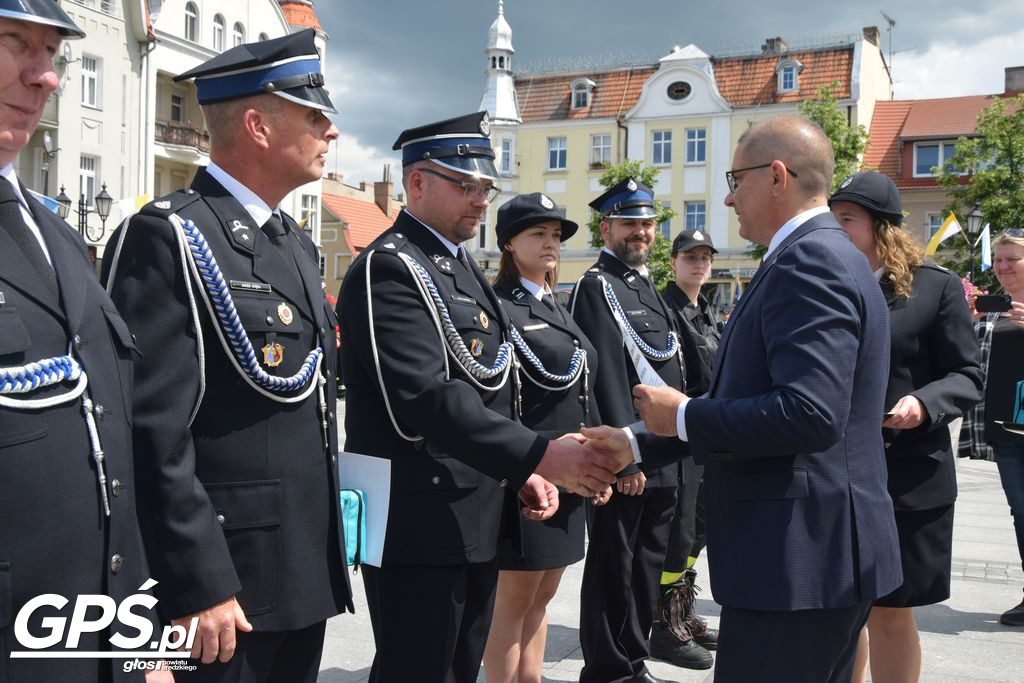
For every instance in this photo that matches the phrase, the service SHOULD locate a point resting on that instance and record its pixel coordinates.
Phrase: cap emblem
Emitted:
(485, 125)
(546, 202)
(631, 185)
(846, 183)
(698, 235)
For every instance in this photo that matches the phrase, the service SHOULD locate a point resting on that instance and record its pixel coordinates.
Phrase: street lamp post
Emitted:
(974, 220)
(103, 203)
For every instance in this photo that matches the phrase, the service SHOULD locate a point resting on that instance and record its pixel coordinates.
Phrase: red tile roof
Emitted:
(743, 82)
(363, 219)
(546, 97)
(948, 117)
(300, 14)
(883, 152)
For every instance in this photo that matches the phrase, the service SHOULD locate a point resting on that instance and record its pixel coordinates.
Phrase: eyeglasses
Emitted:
(730, 176)
(693, 259)
(471, 191)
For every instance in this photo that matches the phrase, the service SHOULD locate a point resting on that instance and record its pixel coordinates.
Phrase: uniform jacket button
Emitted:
(78, 340)
(98, 410)
(582, 399)
(220, 520)
(116, 563)
(503, 483)
(435, 480)
(115, 486)
(270, 320)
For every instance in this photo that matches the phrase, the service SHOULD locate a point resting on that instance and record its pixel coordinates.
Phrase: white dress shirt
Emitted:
(256, 207)
(26, 213)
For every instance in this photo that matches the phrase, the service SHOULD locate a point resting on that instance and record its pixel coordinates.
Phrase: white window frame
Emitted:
(558, 146)
(579, 93)
(337, 265)
(692, 211)
(309, 206)
(506, 156)
(179, 105)
(946, 149)
(192, 22)
(600, 148)
(88, 172)
(696, 146)
(665, 227)
(789, 70)
(92, 70)
(219, 29)
(932, 223)
(237, 34)
(661, 148)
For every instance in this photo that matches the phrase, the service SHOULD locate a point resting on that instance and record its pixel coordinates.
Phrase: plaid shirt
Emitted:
(972, 432)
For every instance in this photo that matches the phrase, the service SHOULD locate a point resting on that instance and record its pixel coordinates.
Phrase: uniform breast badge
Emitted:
(273, 355)
(284, 313)
(485, 322)
(476, 347)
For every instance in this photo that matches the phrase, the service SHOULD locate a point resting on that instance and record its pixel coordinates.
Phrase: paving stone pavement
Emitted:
(962, 638)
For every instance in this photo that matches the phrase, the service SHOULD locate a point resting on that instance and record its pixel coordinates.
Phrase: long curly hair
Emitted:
(898, 254)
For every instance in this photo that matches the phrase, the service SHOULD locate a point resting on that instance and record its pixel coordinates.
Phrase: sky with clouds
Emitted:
(396, 64)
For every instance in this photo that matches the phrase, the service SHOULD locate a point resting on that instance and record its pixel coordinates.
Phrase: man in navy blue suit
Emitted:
(801, 536)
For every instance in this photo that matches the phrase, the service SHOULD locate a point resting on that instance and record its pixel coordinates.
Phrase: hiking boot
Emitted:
(697, 626)
(668, 646)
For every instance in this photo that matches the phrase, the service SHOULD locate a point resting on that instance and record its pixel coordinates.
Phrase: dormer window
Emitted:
(788, 72)
(581, 90)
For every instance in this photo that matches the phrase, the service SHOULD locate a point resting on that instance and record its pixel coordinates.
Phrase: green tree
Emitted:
(848, 141)
(995, 157)
(658, 262)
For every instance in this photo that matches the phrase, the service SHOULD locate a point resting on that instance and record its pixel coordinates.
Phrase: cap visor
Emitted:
(634, 212)
(309, 97)
(478, 167)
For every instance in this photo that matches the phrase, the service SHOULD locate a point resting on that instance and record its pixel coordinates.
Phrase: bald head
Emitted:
(798, 143)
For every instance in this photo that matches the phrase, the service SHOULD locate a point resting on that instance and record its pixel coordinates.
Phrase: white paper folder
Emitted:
(372, 476)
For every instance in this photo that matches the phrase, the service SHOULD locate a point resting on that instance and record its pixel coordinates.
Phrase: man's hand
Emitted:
(579, 469)
(658, 407)
(611, 442)
(908, 413)
(215, 637)
(632, 484)
(540, 497)
(602, 498)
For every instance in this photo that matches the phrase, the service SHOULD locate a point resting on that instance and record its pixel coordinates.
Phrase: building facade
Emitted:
(119, 120)
(558, 132)
(911, 141)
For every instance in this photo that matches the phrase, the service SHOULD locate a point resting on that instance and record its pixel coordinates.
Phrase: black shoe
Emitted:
(1013, 617)
(683, 652)
(648, 677)
(702, 635)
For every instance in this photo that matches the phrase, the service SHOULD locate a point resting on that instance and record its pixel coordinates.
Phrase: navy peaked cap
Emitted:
(288, 67)
(628, 199)
(462, 144)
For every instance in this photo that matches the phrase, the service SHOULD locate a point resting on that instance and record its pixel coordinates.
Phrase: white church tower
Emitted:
(500, 92)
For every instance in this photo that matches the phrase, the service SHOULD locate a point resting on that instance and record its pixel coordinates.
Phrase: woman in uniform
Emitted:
(554, 359)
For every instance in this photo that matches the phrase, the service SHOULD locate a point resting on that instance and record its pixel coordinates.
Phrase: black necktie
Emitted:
(13, 221)
(276, 231)
(548, 299)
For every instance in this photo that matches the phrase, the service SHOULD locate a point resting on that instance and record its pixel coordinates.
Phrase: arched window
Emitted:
(237, 35)
(494, 62)
(264, 36)
(191, 21)
(581, 89)
(501, 62)
(218, 33)
(788, 72)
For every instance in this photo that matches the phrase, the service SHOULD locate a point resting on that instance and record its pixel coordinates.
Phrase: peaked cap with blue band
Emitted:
(46, 12)
(628, 199)
(288, 67)
(461, 144)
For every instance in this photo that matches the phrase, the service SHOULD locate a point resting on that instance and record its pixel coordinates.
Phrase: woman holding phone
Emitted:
(934, 377)
(554, 361)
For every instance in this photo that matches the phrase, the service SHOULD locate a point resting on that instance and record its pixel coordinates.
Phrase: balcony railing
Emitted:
(182, 134)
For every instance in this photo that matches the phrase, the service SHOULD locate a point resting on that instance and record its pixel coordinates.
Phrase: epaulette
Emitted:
(934, 266)
(393, 242)
(172, 203)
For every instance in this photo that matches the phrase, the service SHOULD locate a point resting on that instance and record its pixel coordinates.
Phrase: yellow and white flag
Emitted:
(949, 227)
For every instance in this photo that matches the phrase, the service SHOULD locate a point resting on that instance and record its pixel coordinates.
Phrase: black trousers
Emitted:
(628, 537)
(430, 622)
(687, 536)
(805, 646)
(266, 657)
